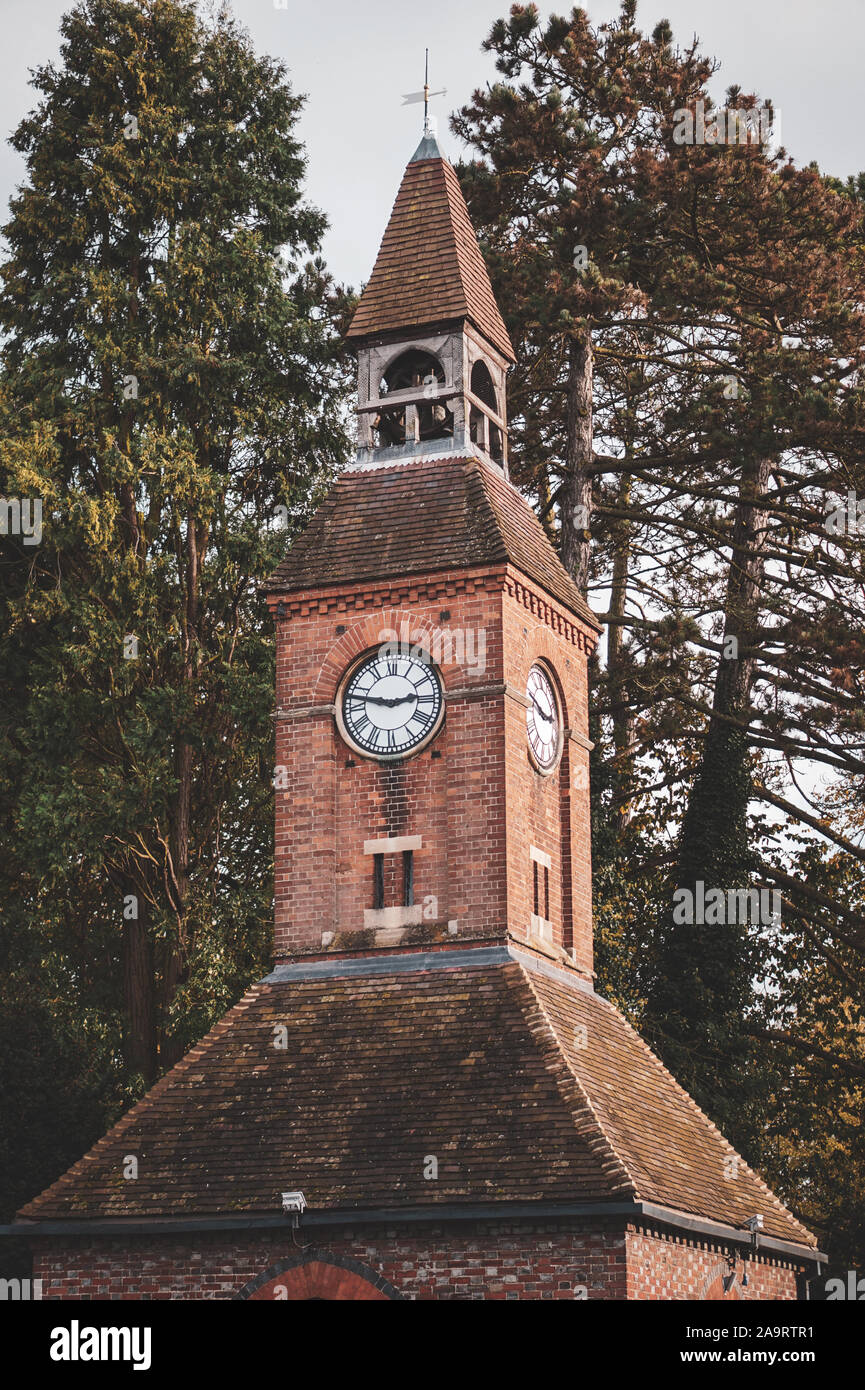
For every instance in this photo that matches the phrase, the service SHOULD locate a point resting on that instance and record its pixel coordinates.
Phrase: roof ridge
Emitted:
(125, 1121)
(462, 455)
(469, 255)
(576, 1097)
(480, 508)
(577, 602)
(701, 1114)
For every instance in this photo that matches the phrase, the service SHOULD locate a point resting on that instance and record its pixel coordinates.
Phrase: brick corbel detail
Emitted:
(536, 602)
(410, 590)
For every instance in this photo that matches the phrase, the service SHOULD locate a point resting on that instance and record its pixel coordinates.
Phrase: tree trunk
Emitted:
(735, 673)
(623, 724)
(705, 976)
(577, 504)
(714, 834)
(140, 1025)
(175, 963)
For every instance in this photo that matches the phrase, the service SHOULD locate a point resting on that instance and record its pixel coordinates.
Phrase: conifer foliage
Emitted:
(686, 306)
(173, 391)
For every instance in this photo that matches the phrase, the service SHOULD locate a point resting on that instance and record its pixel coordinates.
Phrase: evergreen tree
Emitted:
(173, 388)
(720, 324)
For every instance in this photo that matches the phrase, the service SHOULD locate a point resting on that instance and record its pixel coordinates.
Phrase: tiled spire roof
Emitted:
(429, 267)
(427, 516)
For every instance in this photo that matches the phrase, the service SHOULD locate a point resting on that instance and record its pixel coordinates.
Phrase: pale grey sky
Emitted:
(355, 58)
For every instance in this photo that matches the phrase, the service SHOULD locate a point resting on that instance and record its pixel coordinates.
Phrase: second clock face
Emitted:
(391, 705)
(543, 725)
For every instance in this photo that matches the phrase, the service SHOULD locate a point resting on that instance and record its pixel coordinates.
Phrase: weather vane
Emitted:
(409, 98)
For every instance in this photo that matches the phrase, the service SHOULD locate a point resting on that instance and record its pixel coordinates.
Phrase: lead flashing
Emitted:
(409, 963)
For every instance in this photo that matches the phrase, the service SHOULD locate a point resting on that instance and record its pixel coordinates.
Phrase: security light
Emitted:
(293, 1202)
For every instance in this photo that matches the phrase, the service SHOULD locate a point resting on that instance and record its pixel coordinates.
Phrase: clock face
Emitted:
(391, 705)
(543, 723)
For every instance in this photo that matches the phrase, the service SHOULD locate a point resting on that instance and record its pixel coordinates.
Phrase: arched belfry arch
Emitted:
(388, 357)
(320, 1275)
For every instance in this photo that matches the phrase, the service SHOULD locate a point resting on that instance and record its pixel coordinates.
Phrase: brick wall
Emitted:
(563, 1260)
(664, 1267)
(446, 1262)
(450, 793)
(551, 813)
(471, 795)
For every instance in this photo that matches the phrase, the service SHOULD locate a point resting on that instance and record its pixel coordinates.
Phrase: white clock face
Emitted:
(391, 705)
(543, 724)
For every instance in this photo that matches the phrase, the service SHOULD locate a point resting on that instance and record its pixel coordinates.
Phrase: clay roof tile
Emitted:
(419, 518)
(526, 1087)
(429, 267)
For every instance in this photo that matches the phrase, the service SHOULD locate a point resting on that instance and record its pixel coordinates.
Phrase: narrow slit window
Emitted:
(378, 880)
(537, 898)
(408, 878)
(546, 894)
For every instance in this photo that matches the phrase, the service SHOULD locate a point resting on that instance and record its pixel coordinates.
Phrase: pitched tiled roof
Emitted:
(429, 267)
(673, 1154)
(482, 1065)
(419, 518)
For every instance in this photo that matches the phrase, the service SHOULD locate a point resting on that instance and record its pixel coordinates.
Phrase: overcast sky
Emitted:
(355, 58)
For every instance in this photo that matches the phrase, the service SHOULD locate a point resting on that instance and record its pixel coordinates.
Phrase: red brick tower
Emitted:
(428, 1063)
(462, 817)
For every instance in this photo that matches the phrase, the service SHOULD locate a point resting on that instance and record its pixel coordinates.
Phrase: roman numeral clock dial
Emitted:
(543, 720)
(390, 705)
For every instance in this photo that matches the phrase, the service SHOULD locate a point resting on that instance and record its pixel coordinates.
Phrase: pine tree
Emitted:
(723, 306)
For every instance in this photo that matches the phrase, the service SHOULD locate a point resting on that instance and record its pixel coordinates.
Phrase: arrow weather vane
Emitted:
(410, 97)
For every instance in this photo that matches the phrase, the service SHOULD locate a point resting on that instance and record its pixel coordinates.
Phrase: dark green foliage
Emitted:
(684, 410)
(173, 389)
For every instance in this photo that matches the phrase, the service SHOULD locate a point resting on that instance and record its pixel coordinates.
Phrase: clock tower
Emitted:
(426, 1098)
(432, 750)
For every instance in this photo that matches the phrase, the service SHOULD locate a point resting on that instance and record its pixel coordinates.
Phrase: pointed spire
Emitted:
(429, 147)
(429, 267)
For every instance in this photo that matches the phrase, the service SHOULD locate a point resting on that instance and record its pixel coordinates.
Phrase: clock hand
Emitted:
(547, 717)
(382, 700)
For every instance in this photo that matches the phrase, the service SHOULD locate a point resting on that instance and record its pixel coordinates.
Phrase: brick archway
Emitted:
(317, 1274)
(363, 634)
